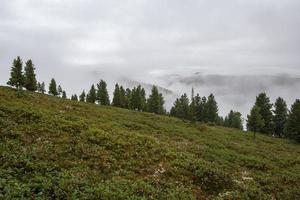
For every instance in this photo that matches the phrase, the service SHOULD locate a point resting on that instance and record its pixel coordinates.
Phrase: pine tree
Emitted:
(64, 94)
(74, 97)
(263, 102)
(180, 108)
(91, 96)
(16, 75)
(42, 89)
(199, 110)
(155, 102)
(234, 120)
(280, 116)
(127, 102)
(102, 94)
(138, 98)
(192, 107)
(59, 90)
(52, 88)
(211, 109)
(292, 129)
(123, 97)
(117, 96)
(30, 82)
(82, 96)
(255, 122)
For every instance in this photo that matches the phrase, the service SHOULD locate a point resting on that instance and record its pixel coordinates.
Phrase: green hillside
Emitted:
(51, 148)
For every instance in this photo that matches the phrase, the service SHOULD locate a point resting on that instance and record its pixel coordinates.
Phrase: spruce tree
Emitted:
(102, 94)
(117, 96)
(263, 102)
(74, 97)
(234, 120)
(155, 102)
(123, 97)
(280, 116)
(53, 88)
(180, 108)
(192, 107)
(255, 122)
(199, 110)
(138, 98)
(82, 96)
(16, 75)
(30, 82)
(64, 94)
(127, 102)
(292, 129)
(211, 109)
(91, 97)
(42, 89)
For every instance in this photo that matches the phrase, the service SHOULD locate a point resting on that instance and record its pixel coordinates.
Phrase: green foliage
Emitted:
(292, 129)
(155, 102)
(16, 75)
(117, 99)
(181, 108)
(255, 122)
(263, 102)
(64, 95)
(82, 96)
(280, 116)
(211, 109)
(102, 94)
(137, 98)
(53, 88)
(41, 87)
(30, 82)
(61, 149)
(234, 120)
(91, 97)
(74, 97)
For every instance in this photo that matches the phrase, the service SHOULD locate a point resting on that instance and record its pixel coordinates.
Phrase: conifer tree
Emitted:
(127, 103)
(138, 98)
(180, 108)
(53, 88)
(280, 116)
(123, 97)
(30, 82)
(117, 96)
(211, 109)
(155, 102)
(64, 94)
(59, 90)
(74, 97)
(292, 129)
(255, 122)
(263, 102)
(91, 97)
(42, 89)
(234, 120)
(102, 94)
(16, 75)
(192, 107)
(199, 110)
(82, 96)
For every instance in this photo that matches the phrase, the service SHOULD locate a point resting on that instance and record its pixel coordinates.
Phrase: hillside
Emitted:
(51, 148)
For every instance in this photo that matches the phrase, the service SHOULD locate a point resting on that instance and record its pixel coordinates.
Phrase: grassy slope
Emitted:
(55, 148)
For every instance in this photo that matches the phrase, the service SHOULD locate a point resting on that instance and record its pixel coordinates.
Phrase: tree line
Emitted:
(264, 117)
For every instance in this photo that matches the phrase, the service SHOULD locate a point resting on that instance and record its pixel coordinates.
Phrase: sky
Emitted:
(234, 49)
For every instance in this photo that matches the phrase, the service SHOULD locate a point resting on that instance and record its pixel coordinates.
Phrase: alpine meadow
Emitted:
(139, 100)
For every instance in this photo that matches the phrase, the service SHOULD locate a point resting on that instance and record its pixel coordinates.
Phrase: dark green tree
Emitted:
(123, 97)
(263, 102)
(138, 98)
(82, 96)
(102, 94)
(280, 116)
(192, 107)
(117, 97)
(30, 82)
(234, 120)
(53, 88)
(91, 97)
(42, 89)
(199, 110)
(16, 75)
(64, 94)
(180, 108)
(155, 102)
(59, 90)
(127, 103)
(292, 129)
(211, 109)
(74, 97)
(255, 122)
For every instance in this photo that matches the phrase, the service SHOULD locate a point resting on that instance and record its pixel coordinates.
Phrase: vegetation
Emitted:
(54, 148)
(293, 122)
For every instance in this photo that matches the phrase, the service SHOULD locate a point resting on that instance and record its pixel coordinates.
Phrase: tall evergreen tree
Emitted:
(199, 110)
(180, 108)
(292, 129)
(127, 103)
(53, 88)
(138, 98)
(82, 96)
(91, 96)
(117, 96)
(255, 122)
(234, 120)
(102, 94)
(30, 82)
(64, 94)
(211, 109)
(155, 102)
(263, 102)
(16, 75)
(74, 97)
(280, 116)
(123, 97)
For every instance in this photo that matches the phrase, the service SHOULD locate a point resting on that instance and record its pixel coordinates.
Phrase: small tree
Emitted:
(155, 102)
(53, 88)
(91, 96)
(117, 96)
(234, 120)
(30, 82)
(292, 129)
(211, 109)
(280, 116)
(102, 94)
(42, 88)
(59, 90)
(74, 97)
(64, 94)
(255, 121)
(82, 96)
(16, 75)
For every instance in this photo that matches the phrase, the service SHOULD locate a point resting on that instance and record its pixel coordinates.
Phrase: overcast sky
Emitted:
(211, 45)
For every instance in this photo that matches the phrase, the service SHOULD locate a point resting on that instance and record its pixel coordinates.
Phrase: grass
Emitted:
(51, 148)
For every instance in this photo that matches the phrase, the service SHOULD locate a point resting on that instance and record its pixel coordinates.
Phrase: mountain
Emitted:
(53, 148)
